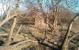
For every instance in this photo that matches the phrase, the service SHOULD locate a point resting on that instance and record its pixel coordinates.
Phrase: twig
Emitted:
(74, 36)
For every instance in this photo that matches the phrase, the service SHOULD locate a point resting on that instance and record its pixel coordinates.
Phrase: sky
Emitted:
(72, 5)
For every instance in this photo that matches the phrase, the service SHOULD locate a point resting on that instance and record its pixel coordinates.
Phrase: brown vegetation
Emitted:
(34, 28)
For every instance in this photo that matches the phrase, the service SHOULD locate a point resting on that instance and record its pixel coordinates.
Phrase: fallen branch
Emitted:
(6, 19)
(25, 41)
(3, 34)
(11, 32)
(66, 39)
(18, 31)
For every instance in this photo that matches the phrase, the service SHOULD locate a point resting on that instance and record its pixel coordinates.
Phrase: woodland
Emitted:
(39, 24)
